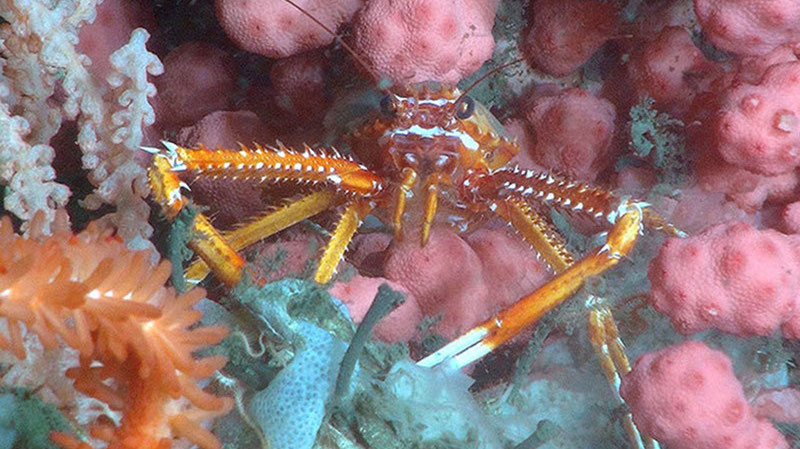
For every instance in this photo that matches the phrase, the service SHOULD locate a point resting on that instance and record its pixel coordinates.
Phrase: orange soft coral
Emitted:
(134, 336)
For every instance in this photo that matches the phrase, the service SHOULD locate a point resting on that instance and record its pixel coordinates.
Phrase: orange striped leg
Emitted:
(351, 219)
(483, 339)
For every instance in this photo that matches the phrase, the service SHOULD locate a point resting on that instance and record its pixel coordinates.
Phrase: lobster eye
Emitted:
(388, 105)
(465, 108)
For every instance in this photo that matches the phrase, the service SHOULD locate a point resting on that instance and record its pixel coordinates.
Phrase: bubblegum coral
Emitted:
(687, 396)
(731, 277)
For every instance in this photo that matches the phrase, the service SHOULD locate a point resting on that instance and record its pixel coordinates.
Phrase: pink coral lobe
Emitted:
(276, 29)
(571, 132)
(300, 86)
(670, 69)
(565, 33)
(731, 277)
(412, 41)
(758, 126)
(687, 396)
(198, 79)
(749, 27)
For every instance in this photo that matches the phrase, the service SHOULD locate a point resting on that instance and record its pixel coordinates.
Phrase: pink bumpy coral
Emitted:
(276, 29)
(412, 41)
(669, 69)
(565, 33)
(749, 27)
(198, 79)
(571, 132)
(790, 218)
(731, 277)
(299, 81)
(688, 397)
(758, 126)
(494, 269)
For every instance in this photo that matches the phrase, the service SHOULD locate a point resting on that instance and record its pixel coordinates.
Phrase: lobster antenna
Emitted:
(344, 44)
(484, 76)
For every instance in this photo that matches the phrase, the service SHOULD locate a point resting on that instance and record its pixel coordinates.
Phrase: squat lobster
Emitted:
(430, 142)
(436, 143)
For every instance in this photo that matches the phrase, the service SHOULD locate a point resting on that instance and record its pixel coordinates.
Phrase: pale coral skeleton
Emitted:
(436, 143)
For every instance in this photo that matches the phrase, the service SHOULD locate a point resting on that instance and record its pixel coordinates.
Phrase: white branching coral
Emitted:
(25, 170)
(38, 47)
(111, 144)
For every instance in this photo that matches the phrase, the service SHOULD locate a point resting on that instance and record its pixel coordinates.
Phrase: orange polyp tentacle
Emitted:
(283, 163)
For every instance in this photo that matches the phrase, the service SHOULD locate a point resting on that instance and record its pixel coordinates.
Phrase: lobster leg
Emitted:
(403, 193)
(351, 219)
(338, 176)
(206, 241)
(489, 335)
(610, 351)
(269, 224)
(627, 217)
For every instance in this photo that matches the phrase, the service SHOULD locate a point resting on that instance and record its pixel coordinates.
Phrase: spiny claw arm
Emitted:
(271, 164)
(340, 176)
(573, 198)
(351, 219)
(508, 323)
(627, 217)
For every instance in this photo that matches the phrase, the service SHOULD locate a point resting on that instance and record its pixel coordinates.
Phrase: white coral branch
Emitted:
(26, 171)
(119, 178)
